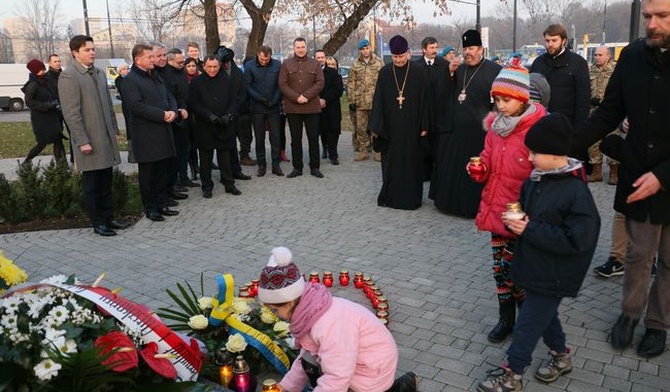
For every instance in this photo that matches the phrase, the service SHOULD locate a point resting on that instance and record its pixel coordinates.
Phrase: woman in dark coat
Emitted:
(330, 119)
(44, 111)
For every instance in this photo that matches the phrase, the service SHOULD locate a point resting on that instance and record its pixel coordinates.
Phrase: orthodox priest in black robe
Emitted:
(399, 122)
(467, 102)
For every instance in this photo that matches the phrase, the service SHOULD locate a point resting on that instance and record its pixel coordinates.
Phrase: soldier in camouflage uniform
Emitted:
(360, 90)
(600, 73)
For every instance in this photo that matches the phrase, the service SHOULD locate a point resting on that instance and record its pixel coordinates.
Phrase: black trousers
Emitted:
(59, 150)
(223, 160)
(245, 134)
(311, 123)
(260, 121)
(234, 129)
(183, 156)
(97, 186)
(282, 132)
(153, 179)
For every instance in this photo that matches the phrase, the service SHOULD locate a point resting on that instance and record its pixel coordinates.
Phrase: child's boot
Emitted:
(505, 324)
(559, 364)
(501, 379)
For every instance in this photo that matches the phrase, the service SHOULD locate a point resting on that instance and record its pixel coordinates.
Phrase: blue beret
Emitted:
(446, 50)
(363, 43)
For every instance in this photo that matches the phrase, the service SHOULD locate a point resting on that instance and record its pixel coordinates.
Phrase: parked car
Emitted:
(344, 72)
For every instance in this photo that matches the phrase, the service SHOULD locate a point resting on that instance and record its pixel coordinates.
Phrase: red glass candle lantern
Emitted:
(477, 169)
(314, 277)
(328, 279)
(244, 292)
(242, 380)
(374, 301)
(253, 289)
(358, 280)
(344, 278)
(382, 306)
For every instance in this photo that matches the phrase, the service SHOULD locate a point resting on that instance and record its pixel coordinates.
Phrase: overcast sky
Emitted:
(423, 10)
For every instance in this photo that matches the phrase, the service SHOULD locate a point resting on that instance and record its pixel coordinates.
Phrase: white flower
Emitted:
(67, 346)
(290, 341)
(281, 327)
(241, 306)
(236, 343)
(11, 304)
(46, 369)
(51, 334)
(57, 279)
(198, 322)
(267, 317)
(205, 303)
(9, 321)
(36, 306)
(59, 314)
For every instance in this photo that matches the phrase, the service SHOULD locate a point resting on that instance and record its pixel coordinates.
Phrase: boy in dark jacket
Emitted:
(557, 239)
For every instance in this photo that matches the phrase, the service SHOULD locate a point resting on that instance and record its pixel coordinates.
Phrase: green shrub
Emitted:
(29, 190)
(119, 189)
(57, 188)
(11, 210)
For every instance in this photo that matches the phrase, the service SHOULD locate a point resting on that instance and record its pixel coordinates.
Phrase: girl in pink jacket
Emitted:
(505, 158)
(344, 347)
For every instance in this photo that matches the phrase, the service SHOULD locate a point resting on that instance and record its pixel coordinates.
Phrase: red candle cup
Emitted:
(328, 279)
(314, 277)
(344, 278)
(477, 169)
(358, 280)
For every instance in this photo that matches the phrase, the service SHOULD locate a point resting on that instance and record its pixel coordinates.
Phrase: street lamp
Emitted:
(634, 21)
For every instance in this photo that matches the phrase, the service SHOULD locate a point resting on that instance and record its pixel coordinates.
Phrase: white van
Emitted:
(12, 78)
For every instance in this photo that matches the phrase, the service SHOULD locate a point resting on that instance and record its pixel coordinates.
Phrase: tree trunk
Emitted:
(212, 40)
(350, 24)
(260, 18)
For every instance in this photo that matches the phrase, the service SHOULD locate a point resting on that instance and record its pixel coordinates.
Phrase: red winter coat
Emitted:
(507, 161)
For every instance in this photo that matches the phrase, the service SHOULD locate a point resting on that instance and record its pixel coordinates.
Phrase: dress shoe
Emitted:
(189, 184)
(233, 190)
(178, 196)
(167, 211)
(241, 176)
(155, 216)
(652, 343)
(324, 155)
(247, 161)
(335, 161)
(276, 170)
(118, 224)
(171, 203)
(622, 332)
(295, 173)
(180, 189)
(261, 170)
(104, 231)
(207, 194)
(316, 173)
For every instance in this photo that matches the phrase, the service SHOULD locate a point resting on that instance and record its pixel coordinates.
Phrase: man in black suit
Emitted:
(152, 111)
(330, 117)
(437, 70)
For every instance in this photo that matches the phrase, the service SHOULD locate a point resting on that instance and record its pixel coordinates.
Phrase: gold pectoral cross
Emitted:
(400, 100)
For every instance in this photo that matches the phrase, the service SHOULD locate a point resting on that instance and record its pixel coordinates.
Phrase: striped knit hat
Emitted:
(512, 82)
(280, 280)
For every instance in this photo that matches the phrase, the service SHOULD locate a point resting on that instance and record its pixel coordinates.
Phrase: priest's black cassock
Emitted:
(399, 132)
(462, 137)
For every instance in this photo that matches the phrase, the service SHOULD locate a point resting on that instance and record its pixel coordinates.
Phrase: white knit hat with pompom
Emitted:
(280, 280)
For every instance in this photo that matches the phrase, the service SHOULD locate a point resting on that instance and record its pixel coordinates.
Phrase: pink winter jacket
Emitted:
(355, 351)
(508, 167)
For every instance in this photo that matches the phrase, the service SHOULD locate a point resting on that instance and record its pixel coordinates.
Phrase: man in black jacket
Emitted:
(176, 83)
(152, 110)
(639, 88)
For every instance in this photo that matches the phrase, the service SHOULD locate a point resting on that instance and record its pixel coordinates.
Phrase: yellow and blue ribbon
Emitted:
(223, 312)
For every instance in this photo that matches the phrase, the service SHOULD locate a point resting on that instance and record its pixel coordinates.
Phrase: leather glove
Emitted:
(352, 106)
(227, 118)
(214, 119)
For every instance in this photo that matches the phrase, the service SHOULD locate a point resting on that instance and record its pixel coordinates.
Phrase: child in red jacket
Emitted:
(505, 158)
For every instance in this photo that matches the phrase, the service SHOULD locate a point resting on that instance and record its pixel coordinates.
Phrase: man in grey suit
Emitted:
(88, 112)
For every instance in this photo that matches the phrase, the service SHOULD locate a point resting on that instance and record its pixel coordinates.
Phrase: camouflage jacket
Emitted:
(362, 82)
(599, 79)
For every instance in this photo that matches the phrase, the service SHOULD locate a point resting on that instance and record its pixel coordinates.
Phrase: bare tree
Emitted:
(39, 26)
(153, 18)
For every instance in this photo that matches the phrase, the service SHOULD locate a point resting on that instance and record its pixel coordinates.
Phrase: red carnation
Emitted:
(124, 357)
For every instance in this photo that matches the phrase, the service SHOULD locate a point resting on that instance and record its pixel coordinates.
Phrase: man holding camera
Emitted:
(212, 100)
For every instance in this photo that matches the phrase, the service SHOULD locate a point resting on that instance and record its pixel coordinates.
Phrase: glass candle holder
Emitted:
(314, 277)
(244, 292)
(358, 280)
(270, 385)
(514, 211)
(344, 278)
(328, 279)
(253, 289)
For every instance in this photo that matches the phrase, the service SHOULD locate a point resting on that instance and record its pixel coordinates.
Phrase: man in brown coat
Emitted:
(300, 81)
(88, 112)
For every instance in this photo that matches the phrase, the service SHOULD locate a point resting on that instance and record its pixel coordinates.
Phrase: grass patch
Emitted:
(17, 139)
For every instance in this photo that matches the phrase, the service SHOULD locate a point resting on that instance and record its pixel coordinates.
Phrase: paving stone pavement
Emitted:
(434, 268)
